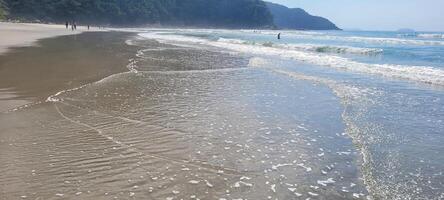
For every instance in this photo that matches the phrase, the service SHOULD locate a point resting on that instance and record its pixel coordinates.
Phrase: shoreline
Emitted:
(23, 35)
(46, 59)
(27, 34)
(109, 115)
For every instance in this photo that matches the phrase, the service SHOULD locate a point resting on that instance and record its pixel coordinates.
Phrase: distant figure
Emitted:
(75, 26)
(66, 24)
(88, 26)
(72, 26)
(279, 36)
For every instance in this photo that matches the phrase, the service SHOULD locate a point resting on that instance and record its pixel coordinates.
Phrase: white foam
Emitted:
(194, 182)
(283, 32)
(334, 49)
(326, 182)
(392, 41)
(162, 37)
(431, 35)
(372, 40)
(423, 74)
(310, 47)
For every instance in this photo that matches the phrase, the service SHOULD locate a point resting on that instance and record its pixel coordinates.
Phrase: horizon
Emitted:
(425, 15)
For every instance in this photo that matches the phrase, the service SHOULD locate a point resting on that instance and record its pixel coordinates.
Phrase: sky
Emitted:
(420, 15)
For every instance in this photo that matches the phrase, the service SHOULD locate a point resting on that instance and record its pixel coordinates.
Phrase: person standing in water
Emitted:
(75, 26)
(66, 24)
(279, 36)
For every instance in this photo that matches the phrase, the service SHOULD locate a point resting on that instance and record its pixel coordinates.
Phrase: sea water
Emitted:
(390, 85)
(239, 114)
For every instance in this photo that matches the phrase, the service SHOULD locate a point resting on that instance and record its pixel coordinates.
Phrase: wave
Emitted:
(422, 74)
(389, 41)
(408, 35)
(423, 35)
(310, 47)
(417, 39)
(285, 32)
(431, 35)
(356, 100)
(370, 40)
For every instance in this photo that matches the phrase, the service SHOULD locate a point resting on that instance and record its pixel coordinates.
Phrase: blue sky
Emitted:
(425, 15)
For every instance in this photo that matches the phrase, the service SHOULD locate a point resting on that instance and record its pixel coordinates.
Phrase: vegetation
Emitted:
(296, 18)
(3, 11)
(240, 13)
(228, 13)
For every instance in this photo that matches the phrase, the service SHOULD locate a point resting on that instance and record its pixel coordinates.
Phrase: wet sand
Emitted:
(19, 35)
(26, 34)
(158, 121)
(31, 74)
(15, 36)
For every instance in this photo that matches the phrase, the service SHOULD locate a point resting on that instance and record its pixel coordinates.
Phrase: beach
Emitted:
(16, 35)
(25, 34)
(218, 114)
(19, 77)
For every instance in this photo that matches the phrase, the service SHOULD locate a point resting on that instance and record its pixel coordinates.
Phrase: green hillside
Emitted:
(227, 13)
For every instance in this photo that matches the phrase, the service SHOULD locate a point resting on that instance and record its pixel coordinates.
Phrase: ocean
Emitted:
(239, 114)
(389, 85)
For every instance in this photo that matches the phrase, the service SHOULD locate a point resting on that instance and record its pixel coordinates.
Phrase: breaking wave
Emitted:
(311, 47)
(406, 39)
(421, 74)
(431, 35)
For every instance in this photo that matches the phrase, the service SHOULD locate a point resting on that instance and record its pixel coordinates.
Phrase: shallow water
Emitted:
(390, 86)
(194, 118)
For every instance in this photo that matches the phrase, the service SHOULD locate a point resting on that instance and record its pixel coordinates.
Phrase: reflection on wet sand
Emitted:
(34, 73)
(184, 123)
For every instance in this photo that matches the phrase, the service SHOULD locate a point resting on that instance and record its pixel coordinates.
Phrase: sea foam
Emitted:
(422, 74)
(431, 35)
(310, 47)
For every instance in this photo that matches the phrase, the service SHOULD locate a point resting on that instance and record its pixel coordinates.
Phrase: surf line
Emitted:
(208, 167)
(132, 69)
(23, 107)
(342, 91)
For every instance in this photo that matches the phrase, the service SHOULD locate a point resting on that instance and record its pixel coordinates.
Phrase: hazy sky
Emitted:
(426, 15)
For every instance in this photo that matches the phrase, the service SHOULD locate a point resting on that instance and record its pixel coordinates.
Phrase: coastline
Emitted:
(38, 60)
(123, 106)
(26, 34)
(20, 35)
(177, 102)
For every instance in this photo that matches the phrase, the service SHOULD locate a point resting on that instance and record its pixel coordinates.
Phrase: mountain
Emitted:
(296, 18)
(406, 30)
(220, 13)
(215, 13)
(198, 13)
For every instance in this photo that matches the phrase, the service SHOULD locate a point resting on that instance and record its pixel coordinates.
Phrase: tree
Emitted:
(3, 10)
(227, 13)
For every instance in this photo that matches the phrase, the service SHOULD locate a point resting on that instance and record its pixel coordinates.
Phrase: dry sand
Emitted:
(25, 34)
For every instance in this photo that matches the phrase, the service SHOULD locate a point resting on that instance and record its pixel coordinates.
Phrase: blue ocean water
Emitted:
(233, 114)
(391, 86)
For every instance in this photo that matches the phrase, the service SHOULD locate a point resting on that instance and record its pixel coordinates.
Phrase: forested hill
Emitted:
(296, 18)
(2, 10)
(214, 13)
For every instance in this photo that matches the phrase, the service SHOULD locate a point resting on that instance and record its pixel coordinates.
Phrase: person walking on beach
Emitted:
(88, 26)
(75, 26)
(66, 24)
